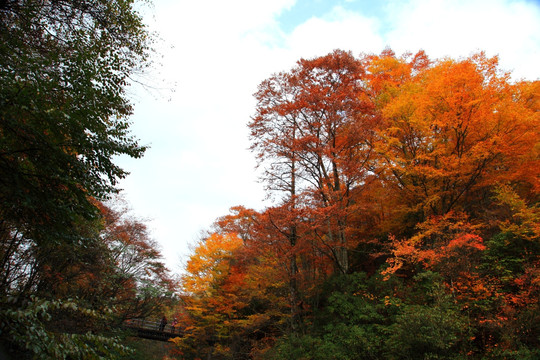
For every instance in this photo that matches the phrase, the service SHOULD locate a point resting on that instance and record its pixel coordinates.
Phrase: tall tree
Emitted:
(314, 124)
(275, 140)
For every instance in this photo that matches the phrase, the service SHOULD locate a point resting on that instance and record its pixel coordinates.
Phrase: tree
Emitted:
(312, 128)
(236, 295)
(136, 283)
(64, 69)
(212, 297)
(453, 130)
(275, 140)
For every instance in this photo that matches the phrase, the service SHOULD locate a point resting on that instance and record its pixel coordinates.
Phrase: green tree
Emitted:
(64, 68)
(30, 332)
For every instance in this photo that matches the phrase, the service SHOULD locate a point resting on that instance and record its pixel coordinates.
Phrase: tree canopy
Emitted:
(64, 69)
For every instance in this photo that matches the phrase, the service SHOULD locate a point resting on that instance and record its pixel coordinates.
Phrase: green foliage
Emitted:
(429, 324)
(523, 353)
(512, 313)
(362, 320)
(64, 67)
(351, 324)
(29, 329)
(427, 332)
(506, 254)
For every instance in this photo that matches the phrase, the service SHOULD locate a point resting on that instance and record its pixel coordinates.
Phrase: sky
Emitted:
(211, 55)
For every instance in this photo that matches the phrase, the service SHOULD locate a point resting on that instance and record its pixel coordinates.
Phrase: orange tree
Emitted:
(231, 297)
(452, 131)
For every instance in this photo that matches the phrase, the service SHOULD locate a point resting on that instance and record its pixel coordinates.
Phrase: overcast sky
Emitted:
(214, 53)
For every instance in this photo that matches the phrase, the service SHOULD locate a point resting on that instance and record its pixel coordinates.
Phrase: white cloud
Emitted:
(510, 29)
(340, 29)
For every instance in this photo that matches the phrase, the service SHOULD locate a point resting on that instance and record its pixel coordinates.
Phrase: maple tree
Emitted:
(312, 128)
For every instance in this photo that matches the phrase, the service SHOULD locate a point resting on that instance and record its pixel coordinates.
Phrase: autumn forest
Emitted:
(404, 224)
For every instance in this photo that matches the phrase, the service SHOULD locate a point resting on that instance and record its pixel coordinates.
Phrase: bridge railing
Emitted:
(152, 325)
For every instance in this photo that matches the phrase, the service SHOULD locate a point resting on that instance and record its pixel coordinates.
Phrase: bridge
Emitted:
(150, 329)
